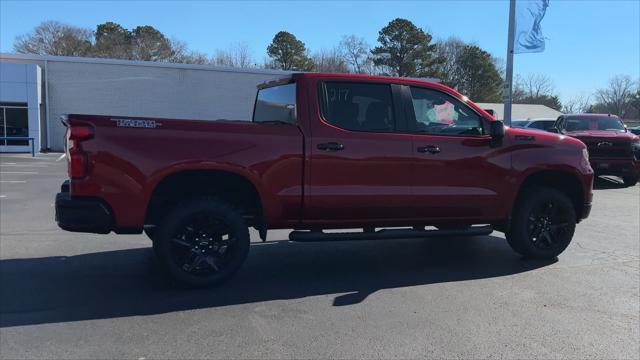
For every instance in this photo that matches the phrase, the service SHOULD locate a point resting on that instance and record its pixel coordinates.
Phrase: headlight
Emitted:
(635, 147)
(584, 162)
(585, 154)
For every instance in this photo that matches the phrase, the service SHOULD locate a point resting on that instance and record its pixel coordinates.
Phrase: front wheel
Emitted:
(630, 180)
(543, 223)
(202, 242)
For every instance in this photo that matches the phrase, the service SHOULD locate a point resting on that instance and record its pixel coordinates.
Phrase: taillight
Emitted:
(78, 160)
(78, 163)
(81, 133)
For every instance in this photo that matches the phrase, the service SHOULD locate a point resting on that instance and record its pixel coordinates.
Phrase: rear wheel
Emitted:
(630, 180)
(543, 223)
(202, 242)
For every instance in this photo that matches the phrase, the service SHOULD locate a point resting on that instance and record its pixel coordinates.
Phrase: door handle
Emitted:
(330, 146)
(431, 149)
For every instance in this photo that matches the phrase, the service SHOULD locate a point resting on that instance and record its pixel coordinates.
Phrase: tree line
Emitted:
(402, 49)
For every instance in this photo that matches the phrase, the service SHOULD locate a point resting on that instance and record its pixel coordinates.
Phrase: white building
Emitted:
(522, 111)
(36, 90)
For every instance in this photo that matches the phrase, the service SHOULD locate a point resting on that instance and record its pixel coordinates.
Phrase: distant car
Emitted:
(613, 150)
(635, 130)
(534, 124)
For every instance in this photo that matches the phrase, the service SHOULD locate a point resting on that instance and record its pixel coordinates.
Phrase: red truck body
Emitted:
(292, 178)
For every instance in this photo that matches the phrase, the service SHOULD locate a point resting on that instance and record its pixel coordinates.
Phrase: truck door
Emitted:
(456, 172)
(359, 162)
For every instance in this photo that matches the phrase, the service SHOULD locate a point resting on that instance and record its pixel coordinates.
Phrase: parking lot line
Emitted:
(61, 157)
(19, 172)
(13, 181)
(24, 165)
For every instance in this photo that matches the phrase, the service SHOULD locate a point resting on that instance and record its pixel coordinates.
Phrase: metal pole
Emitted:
(508, 86)
(46, 105)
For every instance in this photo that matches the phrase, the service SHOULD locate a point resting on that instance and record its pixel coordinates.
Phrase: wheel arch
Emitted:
(231, 186)
(562, 180)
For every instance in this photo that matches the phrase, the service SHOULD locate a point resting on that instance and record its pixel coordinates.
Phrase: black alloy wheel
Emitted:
(202, 242)
(542, 224)
(548, 225)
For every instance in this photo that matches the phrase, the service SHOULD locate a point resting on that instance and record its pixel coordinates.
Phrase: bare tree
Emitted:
(237, 55)
(329, 60)
(618, 97)
(181, 54)
(55, 38)
(535, 85)
(535, 89)
(577, 105)
(355, 51)
(450, 49)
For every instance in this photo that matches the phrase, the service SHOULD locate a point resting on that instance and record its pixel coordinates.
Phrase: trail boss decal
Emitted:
(137, 123)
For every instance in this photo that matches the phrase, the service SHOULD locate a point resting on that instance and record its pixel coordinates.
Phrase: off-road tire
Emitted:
(173, 242)
(529, 216)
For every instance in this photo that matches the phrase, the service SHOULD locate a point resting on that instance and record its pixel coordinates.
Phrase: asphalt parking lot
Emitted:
(68, 295)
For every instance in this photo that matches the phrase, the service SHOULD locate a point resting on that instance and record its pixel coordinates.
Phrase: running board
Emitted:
(311, 236)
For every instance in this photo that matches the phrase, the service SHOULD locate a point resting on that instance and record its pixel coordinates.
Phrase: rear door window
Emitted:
(358, 106)
(276, 104)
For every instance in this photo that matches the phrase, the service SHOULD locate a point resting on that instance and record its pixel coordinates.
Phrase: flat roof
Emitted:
(90, 60)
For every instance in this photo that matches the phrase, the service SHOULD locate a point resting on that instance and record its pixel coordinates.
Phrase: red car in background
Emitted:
(613, 150)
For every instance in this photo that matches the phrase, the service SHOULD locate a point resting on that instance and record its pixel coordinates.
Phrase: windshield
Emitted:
(593, 123)
(519, 123)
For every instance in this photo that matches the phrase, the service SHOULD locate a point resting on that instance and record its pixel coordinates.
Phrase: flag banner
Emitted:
(528, 31)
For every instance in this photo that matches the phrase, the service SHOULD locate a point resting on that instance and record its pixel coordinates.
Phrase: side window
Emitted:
(358, 106)
(537, 125)
(546, 125)
(277, 103)
(440, 114)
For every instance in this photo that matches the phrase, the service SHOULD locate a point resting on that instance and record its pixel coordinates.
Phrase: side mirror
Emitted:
(554, 130)
(496, 130)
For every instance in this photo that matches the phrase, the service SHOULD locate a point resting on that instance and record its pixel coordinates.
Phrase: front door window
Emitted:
(437, 113)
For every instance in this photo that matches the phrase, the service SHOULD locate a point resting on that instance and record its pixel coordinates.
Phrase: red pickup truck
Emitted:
(613, 150)
(394, 157)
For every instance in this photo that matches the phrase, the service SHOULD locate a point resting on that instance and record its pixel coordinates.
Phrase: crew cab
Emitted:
(395, 157)
(613, 150)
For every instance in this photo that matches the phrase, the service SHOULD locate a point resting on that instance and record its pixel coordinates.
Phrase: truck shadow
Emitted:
(129, 283)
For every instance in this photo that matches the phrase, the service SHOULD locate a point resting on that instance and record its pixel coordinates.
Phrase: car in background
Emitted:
(534, 124)
(613, 150)
(635, 130)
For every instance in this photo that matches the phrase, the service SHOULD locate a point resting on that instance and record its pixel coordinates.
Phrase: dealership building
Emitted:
(36, 90)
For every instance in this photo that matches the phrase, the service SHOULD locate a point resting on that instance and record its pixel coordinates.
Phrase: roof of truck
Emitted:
(590, 115)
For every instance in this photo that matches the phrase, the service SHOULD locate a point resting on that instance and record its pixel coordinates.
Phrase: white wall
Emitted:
(22, 83)
(136, 88)
(107, 89)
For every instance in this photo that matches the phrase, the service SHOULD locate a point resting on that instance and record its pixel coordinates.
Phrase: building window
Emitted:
(14, 122)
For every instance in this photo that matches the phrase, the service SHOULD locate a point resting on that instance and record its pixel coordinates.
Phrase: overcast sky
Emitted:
(588, 41)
